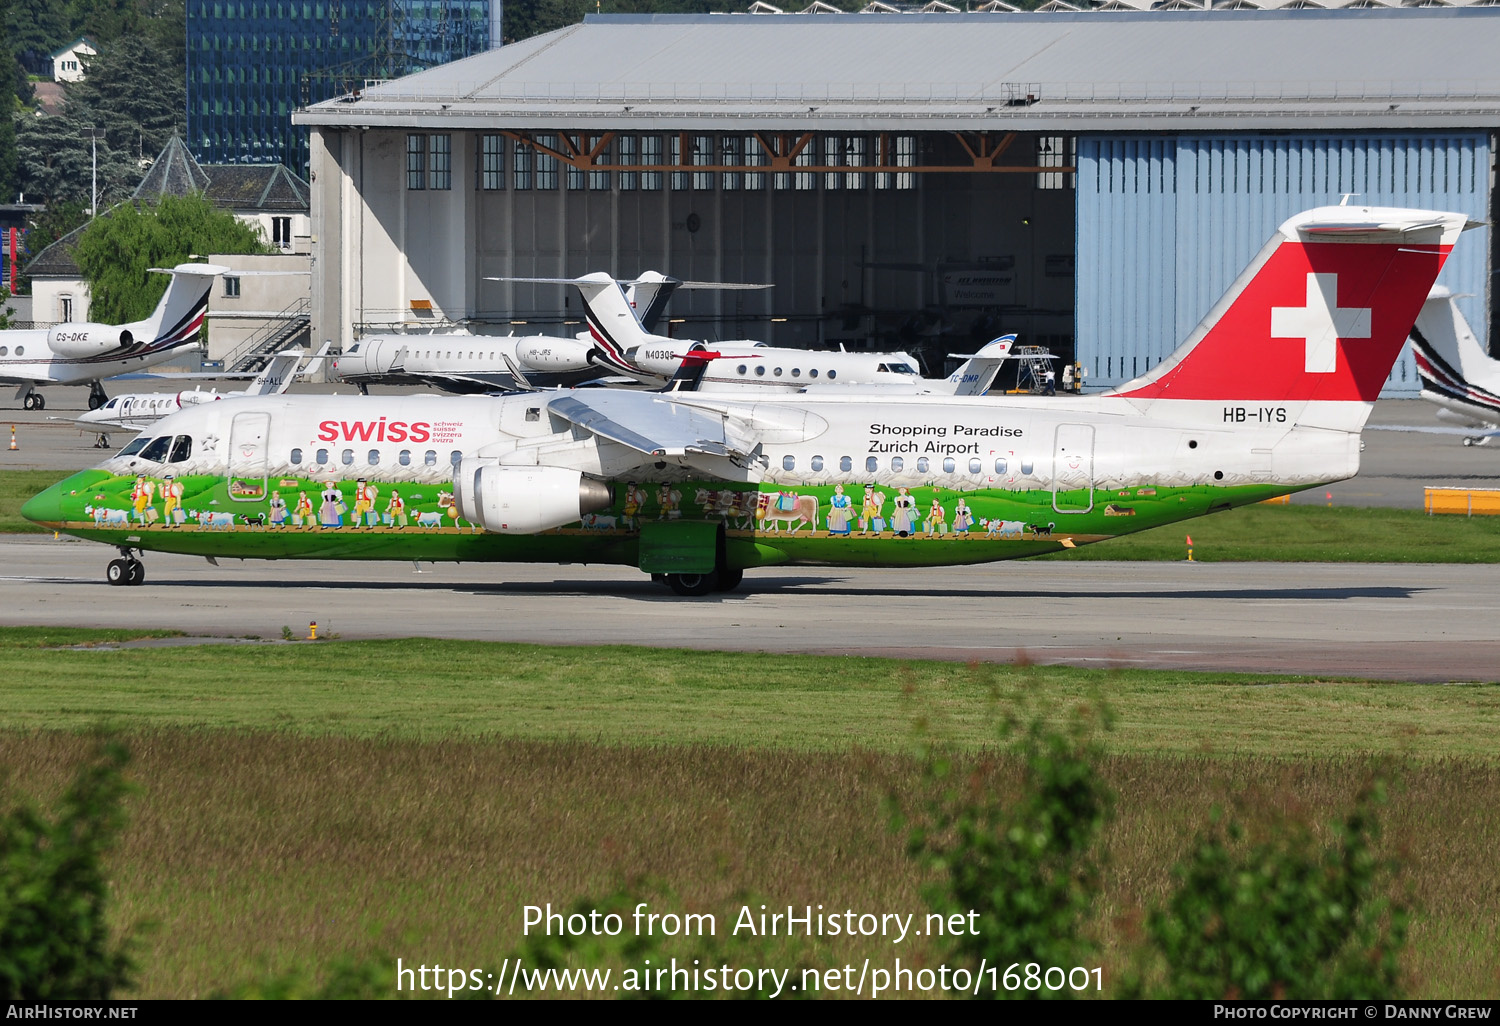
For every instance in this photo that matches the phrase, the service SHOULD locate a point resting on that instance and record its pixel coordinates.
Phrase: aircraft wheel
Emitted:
(97, 399)
(41, 401)
(693, 585)
(730, 579)
(30, 401)
(118, 572)
(1468, 441)
(135, 572)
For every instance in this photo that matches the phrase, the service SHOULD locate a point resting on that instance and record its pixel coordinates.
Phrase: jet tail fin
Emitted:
(1456, 372)
(179, 314)
(1318, 317)
(277, 375)
(977, 373)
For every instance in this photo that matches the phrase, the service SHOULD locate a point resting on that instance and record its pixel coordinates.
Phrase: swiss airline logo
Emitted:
(381, 430)
(1318, 321)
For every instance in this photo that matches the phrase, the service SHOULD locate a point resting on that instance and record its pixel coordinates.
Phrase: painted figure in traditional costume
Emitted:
(278, 510)
(331, 510)
(963, 519)
(904, 520)
(395, 511)
(302, 513)
(839, 512)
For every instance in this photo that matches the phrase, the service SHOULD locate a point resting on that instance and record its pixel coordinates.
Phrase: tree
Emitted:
(1028, 869)
(1285, 917)
(117, 251)
(54, 937)
(56, 159)
(134, 92)
(34, 28)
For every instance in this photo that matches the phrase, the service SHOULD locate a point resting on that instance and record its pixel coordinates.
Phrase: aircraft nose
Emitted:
(45, 507)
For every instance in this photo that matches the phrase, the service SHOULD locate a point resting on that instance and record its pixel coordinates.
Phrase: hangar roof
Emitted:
(1093, 70)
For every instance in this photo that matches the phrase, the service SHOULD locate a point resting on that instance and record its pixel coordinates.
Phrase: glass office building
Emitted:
(250, 63)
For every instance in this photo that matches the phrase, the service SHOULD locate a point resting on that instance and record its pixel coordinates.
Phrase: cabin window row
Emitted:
(347, 457)
(897, 465)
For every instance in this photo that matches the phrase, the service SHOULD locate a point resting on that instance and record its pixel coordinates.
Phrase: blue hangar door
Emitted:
(1165, 225)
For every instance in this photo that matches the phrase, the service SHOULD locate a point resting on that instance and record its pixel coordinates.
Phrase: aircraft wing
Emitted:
(662, 429)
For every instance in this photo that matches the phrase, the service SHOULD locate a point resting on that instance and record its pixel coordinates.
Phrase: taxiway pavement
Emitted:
(1422, 622)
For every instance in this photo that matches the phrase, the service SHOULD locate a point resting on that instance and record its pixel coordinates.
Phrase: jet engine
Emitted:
(662, 355)
(525, 500)
(553, 355)
(77, 341)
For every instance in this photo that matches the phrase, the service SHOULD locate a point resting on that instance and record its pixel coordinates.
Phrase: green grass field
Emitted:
(16, 486)
(303, 800)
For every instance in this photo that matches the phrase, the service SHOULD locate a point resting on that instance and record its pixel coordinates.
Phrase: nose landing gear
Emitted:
(127, 570)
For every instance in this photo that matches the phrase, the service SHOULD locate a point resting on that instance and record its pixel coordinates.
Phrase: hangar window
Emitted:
(703, 156)
(817, 463)
(416, 162)
(492, 162)
(546, 163)
(872, 464)
(440, 168)
(599, 180)
(1056, 151)
(296, 457)
(898, 464)
(755, 156)
(833, 156)
(322, 455)
(729, 148)
(846, 463)
(651, 155)
(854, 156)
(627, 148)
(922, 464)
(521, 176)
(898, 151)
(949, 465)
(788, 463)
(347, 457)
(674, 153)
(806, 180)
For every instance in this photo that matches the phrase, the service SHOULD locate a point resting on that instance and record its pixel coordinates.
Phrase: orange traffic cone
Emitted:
(13, 446)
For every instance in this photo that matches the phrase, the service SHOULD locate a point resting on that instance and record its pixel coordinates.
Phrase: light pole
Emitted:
(94, 172)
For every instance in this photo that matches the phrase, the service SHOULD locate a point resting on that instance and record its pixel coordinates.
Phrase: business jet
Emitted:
(465, 363)
(618, 341)
(1457, 375)
(1268, 395)
(86, 354)
(138, 410)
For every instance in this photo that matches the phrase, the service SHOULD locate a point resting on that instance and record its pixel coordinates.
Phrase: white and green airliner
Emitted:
(1267, 396)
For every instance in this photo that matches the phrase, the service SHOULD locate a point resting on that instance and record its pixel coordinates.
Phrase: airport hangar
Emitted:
(922, 181)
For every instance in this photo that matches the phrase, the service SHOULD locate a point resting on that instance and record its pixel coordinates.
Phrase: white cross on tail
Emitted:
(1321, 323)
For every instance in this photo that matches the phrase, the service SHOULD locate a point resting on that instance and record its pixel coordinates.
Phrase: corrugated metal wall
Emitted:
(1166, 224)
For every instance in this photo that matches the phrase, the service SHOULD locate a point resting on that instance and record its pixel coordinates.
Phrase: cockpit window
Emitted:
(353, 349)
(157, 450)
(898, 368)
(182, 448)
(135, 446)
(112, 403)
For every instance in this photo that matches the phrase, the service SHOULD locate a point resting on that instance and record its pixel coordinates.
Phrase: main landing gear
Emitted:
(695, 585)
(1478, 440)
(97, 396)
(34, 401)
(127, 570)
